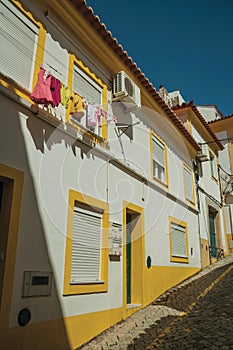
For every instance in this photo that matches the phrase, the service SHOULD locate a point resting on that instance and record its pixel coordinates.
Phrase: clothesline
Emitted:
(51, 91)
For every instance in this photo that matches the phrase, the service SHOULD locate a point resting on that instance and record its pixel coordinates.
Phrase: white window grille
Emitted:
(188, 180)
(158, 156)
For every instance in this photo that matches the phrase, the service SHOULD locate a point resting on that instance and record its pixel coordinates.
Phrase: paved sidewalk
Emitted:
(185, 317)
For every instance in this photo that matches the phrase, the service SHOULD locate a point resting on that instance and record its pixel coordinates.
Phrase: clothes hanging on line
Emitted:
(42, 93)
(77, 105)
(47, 90)
(65, 95)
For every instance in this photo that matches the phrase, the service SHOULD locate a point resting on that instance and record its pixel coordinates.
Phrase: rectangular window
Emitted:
(158, 159)
(91, 92)
(86, 246)
(19, 37)
(86, 261)
(178, 241)
(188, 184)
(213, 166)
(86, 87)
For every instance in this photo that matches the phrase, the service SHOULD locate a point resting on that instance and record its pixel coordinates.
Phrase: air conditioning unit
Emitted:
(203, 155)
(125, 90)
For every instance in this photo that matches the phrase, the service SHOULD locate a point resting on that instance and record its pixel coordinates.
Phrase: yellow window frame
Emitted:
(192, 201)
(183, 224)
(75, 61)
(72, 289)
(152, 133)
(7, 82)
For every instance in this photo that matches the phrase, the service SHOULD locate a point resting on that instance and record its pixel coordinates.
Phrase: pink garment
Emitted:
(55, 87)
(41, 93)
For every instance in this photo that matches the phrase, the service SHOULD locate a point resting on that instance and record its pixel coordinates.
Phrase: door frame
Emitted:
(17, 177)
(137, 256)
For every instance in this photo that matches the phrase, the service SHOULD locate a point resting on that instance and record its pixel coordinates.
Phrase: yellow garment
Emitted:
(65, 95)
(77, 105)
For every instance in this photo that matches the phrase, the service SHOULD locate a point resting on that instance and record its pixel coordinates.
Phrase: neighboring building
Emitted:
(211, 220)
(223, 128)
(210, 112)
(98, 209)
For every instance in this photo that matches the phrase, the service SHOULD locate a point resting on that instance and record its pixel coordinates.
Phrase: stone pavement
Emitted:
(196, 314)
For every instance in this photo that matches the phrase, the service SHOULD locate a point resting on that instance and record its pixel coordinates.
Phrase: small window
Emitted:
(158, 159)
(178, 241)
(19, 37)
(188, 184)
(213, 166)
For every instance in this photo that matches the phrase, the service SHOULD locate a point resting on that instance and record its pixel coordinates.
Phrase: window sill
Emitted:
(88, 288)
(160, 182)
(179, 259)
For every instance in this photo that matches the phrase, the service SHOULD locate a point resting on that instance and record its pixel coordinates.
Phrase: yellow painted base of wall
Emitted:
(71, 332)
(158, 279)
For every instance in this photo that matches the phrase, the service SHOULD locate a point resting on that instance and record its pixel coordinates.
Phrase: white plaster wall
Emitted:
(208, 112)
(52, 164)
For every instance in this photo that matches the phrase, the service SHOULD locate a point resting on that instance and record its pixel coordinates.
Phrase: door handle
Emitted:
(1, 256)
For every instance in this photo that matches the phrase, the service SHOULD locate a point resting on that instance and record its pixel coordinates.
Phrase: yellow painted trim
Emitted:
(225, 228)
(70, 289)
(183, 224)
(193, 200)
(18, 178)
(213, 156)
(152, 133)
(39, 54)
(72, 61)
(138, 247)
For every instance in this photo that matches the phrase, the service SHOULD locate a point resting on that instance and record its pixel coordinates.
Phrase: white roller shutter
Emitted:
(86, 87)
(178, 241)
(18, 36)
(86, 246)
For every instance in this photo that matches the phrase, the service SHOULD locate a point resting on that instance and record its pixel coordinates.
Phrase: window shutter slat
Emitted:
(18, 38)
(86, 247)
(86, 87)
(178, 241)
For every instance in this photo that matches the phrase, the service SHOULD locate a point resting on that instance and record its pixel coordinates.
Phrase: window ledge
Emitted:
(86, 283)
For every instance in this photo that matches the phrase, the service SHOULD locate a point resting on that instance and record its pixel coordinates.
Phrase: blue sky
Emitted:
(185, 45)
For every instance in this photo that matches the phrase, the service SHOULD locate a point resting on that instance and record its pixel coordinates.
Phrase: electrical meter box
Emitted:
(37, 283)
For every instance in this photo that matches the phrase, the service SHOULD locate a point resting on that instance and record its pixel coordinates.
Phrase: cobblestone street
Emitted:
(197, 314)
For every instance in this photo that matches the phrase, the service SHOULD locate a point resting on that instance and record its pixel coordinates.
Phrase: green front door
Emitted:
(212, 234)
(128, 258)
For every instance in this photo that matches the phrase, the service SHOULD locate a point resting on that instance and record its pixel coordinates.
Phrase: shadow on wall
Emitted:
(46, 328)
(44, 134)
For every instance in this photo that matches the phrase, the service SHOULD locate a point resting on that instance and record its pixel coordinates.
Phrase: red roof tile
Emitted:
(223, 118)
(201, 118)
